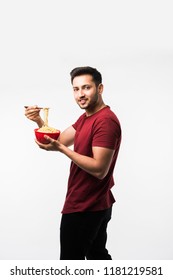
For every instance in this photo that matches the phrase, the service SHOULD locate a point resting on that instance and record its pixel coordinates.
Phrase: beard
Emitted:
(88, 104)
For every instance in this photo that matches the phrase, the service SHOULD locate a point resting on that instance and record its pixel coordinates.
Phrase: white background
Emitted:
(131, 44)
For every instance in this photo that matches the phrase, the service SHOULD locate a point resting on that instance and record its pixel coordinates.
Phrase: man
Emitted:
(96, 136)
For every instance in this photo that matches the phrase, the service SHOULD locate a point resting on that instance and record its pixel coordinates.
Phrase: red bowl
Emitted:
(40, 135)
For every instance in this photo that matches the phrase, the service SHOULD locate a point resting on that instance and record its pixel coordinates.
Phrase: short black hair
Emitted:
(87, 70)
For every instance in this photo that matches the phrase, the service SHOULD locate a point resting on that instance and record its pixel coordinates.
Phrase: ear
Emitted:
(100, 88)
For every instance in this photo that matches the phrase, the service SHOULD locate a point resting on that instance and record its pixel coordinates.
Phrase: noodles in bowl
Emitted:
(47, 129)
(40, 132)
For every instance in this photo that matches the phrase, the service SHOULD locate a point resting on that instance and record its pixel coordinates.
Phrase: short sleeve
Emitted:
(78, 122)
(106, 133)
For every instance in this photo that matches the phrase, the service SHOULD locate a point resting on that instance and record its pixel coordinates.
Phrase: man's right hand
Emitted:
(33, 114)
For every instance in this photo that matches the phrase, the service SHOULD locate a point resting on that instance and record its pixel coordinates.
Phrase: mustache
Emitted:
(82, 98)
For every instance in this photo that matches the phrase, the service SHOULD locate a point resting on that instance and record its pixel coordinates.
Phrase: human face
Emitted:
(86, 94)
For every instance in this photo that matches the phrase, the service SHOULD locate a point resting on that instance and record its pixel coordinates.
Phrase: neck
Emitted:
(96, 109)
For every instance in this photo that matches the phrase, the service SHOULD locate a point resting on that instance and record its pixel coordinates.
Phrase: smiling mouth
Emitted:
(82, 101)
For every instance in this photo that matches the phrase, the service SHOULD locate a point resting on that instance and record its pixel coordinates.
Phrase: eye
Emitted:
(87, 87)
(75, 89)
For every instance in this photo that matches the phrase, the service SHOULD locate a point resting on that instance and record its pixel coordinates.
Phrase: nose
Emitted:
(81, 93)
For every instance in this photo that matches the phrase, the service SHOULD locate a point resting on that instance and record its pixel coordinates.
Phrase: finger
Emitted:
(38, 143)
(51, 140)
(42, 146)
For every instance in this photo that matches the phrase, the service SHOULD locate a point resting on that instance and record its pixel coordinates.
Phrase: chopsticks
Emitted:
(36, 107)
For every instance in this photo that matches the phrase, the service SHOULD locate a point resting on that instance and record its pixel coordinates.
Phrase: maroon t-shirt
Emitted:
(86, 192)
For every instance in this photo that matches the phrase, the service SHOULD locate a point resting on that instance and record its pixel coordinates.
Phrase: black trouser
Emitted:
(84, 235)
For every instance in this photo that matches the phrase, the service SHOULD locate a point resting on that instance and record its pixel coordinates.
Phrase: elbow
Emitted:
(101, 175)
(101, 172)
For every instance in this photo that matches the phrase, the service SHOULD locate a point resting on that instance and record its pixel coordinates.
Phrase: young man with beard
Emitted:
(96, 136)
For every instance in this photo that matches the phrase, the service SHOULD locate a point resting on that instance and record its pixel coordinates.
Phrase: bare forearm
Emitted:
(84, 162)
(67, 136)
(40, 122)
(63, 140)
